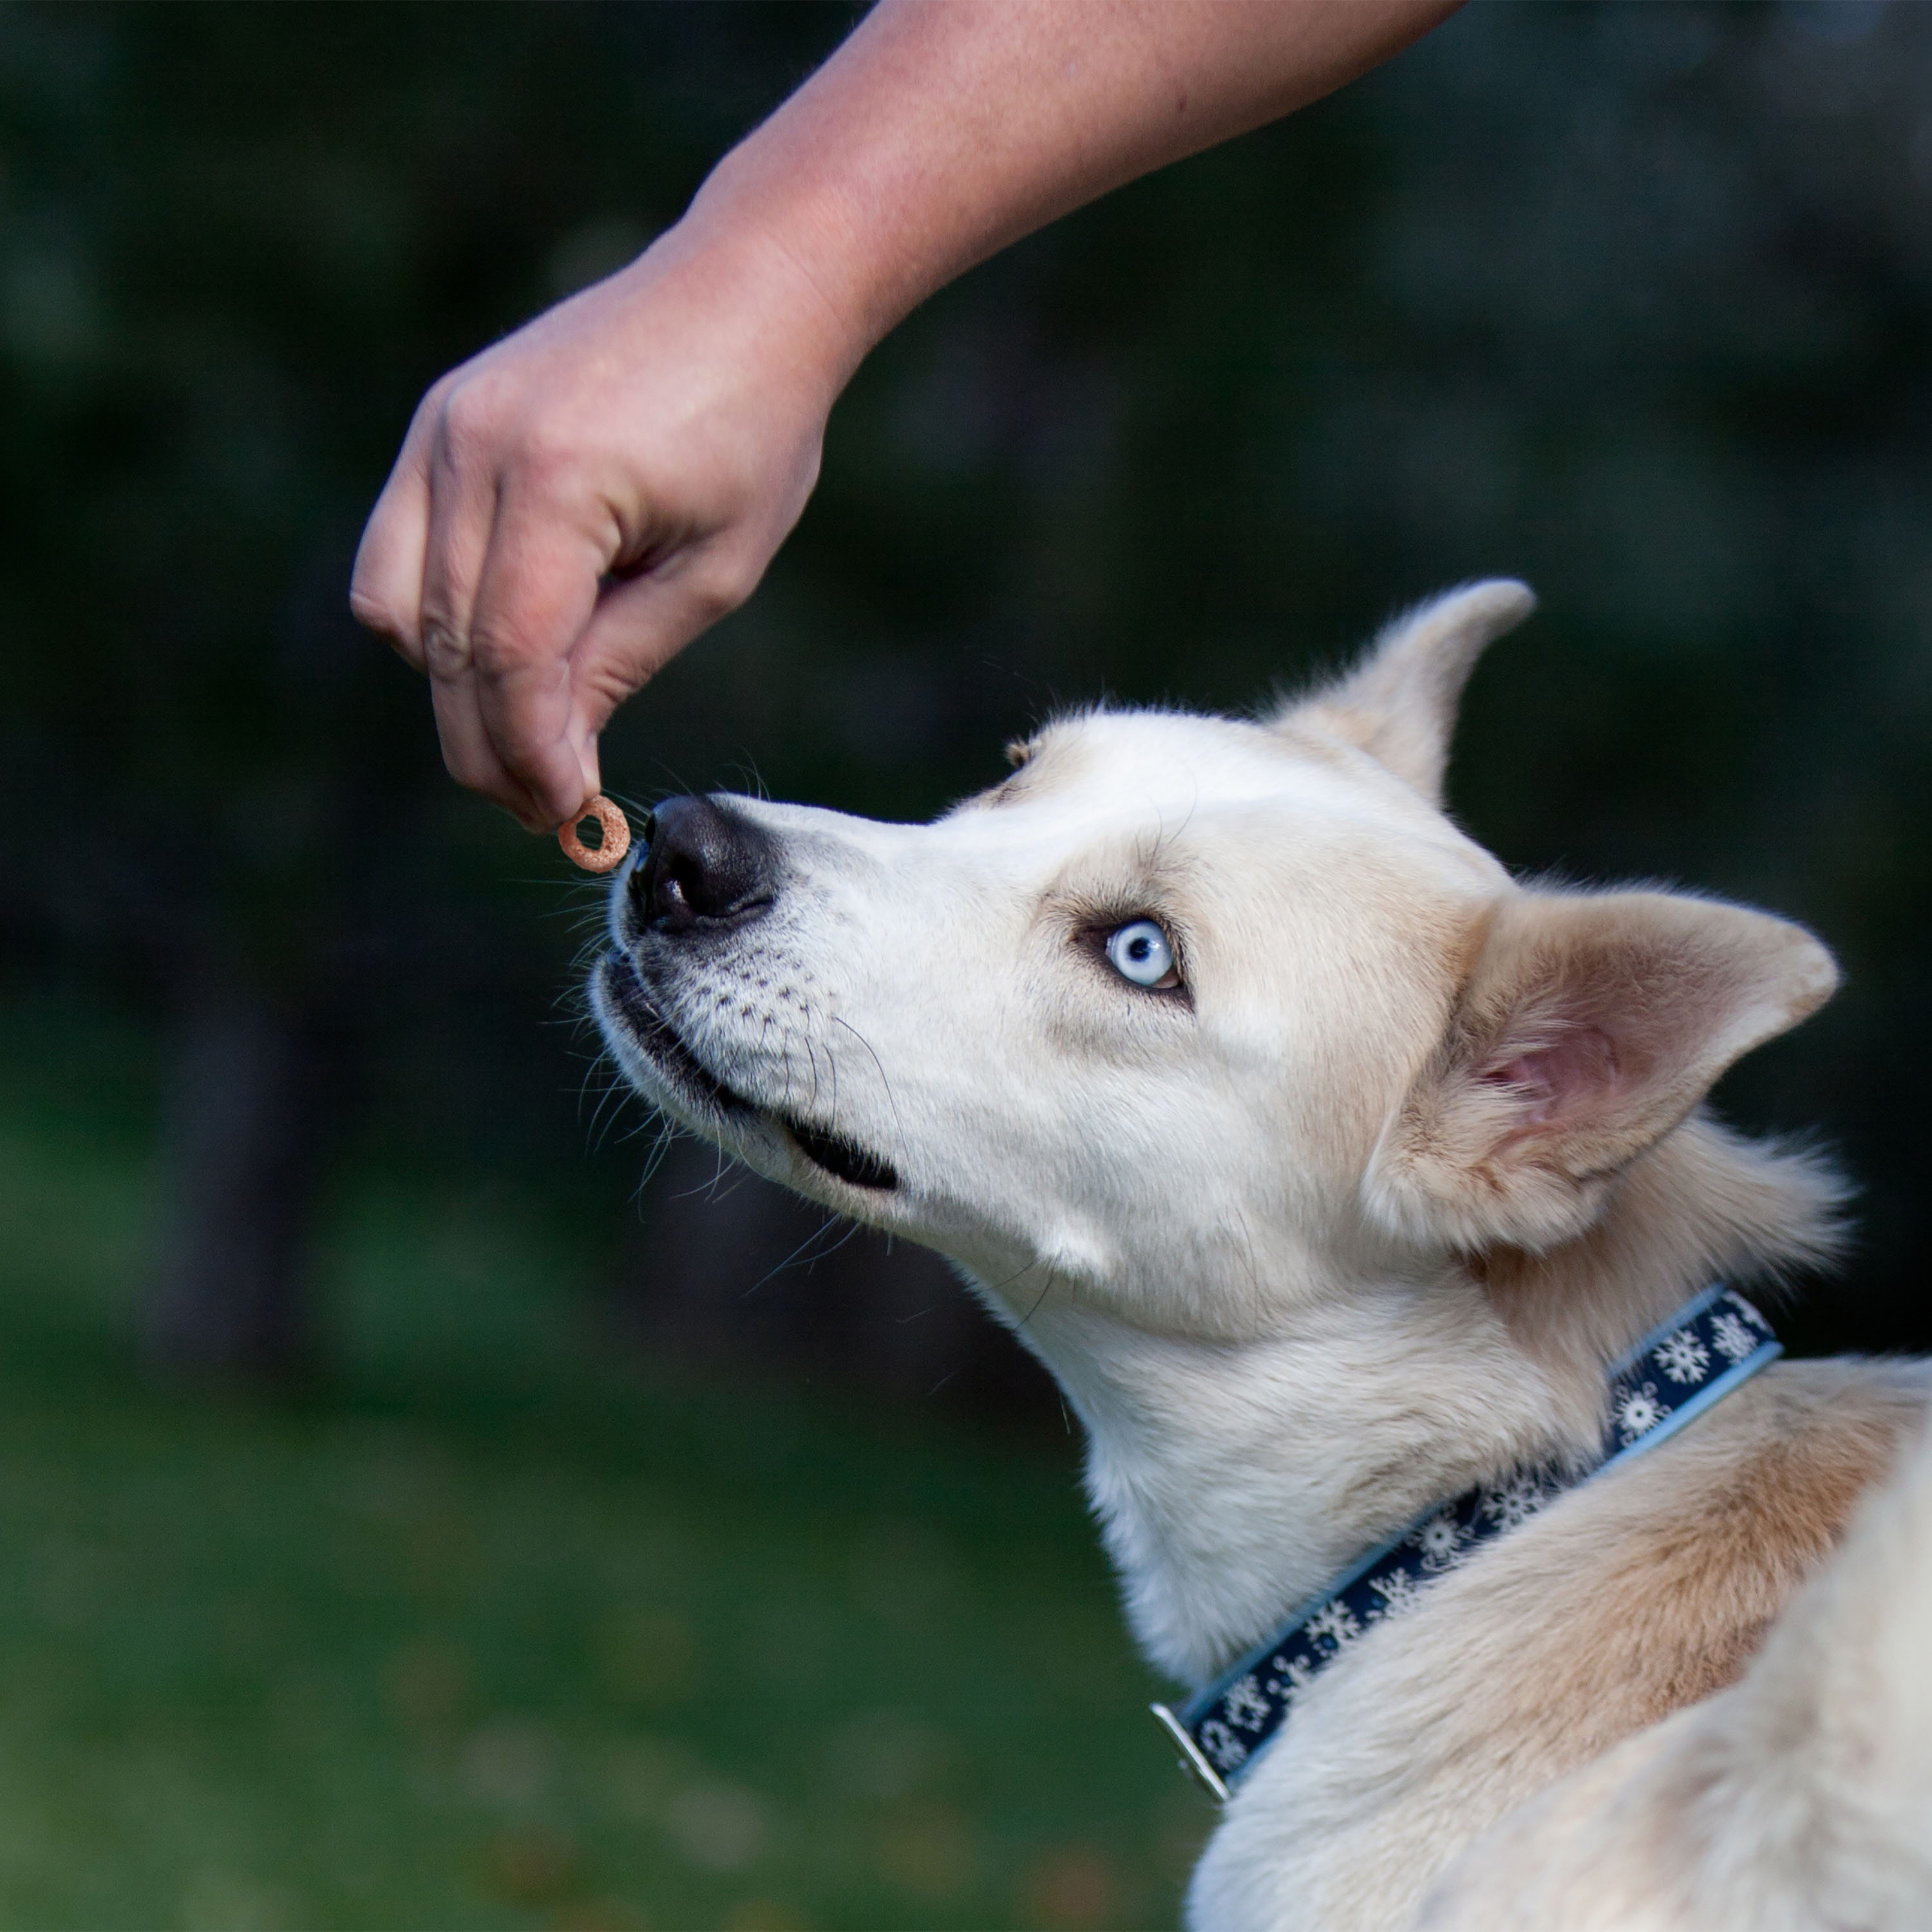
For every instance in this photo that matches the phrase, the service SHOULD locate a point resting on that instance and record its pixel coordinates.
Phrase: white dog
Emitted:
(1344, 1182)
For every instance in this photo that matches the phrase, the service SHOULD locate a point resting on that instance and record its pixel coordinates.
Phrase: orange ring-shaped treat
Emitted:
(616, 842)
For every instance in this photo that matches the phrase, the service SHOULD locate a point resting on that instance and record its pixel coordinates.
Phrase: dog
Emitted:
(1335, 1174)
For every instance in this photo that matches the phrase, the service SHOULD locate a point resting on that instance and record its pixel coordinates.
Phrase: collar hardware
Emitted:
(1675, 1373)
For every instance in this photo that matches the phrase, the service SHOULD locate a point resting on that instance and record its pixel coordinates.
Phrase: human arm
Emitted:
(574, 505)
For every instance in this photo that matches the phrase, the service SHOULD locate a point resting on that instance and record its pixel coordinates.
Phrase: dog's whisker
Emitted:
(1046, 1289)
(892, 1101)
(852, 1230)
(613, 1097)
(803, 1252)
(662, 1142)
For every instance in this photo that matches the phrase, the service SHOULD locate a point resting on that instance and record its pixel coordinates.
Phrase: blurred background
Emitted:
(410, 1515)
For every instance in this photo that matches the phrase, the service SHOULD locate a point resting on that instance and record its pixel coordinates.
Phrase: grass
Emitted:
(490, 1630)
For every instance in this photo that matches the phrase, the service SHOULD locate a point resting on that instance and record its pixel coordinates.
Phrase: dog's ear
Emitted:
(1399, 703)
(1587, 1026)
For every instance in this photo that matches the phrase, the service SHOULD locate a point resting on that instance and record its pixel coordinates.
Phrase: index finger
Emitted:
(536, 593)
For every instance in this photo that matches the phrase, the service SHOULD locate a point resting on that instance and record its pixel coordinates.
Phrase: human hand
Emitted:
(574, 505)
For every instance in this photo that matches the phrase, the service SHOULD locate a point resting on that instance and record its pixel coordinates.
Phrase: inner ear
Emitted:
(1587, 1027)
(1560, 1078)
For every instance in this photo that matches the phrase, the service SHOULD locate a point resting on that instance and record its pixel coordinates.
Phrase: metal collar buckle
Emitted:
(1192, 1760)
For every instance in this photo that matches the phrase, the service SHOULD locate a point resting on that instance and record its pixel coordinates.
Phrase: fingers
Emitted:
(467, 756)
(500, 593)
(485, 580)
(461, 496)
(385, 587)
(536, 592)
(525, 475)
(418, 569)
(463, 473)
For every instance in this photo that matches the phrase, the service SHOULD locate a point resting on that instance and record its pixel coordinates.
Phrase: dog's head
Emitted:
(1185, 1000)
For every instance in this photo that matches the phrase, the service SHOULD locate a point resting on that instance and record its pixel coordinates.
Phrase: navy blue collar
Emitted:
(1676, 1372)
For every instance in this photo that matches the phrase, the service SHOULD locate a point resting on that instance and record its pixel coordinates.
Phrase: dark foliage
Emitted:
(1631, 299)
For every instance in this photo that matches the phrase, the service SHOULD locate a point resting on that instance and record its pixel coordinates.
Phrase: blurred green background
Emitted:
(405, 1518)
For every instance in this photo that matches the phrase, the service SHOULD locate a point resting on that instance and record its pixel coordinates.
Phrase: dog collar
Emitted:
(1675, 1373)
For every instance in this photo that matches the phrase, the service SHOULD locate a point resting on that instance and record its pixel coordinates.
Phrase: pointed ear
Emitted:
(1589, 1026)
(1399, 703)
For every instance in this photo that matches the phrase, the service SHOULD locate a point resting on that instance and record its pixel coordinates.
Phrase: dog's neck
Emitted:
(1233, 1479)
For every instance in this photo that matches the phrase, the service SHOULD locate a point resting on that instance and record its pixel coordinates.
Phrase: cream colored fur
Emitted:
(1351, 1220)
(1801, 1796)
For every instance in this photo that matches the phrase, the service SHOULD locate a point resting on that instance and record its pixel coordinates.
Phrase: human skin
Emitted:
(573, 506)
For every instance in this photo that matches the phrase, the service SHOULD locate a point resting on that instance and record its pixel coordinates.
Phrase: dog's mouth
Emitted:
(858, 1166)
(660, 1041)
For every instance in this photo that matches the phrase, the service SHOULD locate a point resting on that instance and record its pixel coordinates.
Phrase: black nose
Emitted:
(705, 865)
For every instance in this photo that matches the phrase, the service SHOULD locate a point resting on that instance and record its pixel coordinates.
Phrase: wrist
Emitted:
(775, 252)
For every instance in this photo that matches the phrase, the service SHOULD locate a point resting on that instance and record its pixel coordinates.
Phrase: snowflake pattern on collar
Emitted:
(1675, 1373)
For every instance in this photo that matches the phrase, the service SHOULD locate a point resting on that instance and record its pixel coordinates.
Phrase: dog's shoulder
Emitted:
(1646, 1591)
(1799, 1796)
(1658, 1586)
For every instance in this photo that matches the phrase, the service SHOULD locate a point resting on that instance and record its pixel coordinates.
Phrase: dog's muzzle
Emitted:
(706, 874)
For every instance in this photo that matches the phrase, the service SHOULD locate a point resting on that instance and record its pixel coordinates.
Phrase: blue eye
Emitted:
(1142, 953)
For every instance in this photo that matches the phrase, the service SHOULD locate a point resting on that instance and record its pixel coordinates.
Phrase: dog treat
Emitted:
(616, 840)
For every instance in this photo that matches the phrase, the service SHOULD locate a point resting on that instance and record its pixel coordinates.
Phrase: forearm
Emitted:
(943, 130)
(574, 505)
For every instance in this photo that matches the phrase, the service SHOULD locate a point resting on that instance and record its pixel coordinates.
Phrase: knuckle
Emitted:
(446, 652)
(428, 415)
(502, 650)
(721, 586)
(486, 429)
(444, 386)
(470, 419)
(547, 454)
